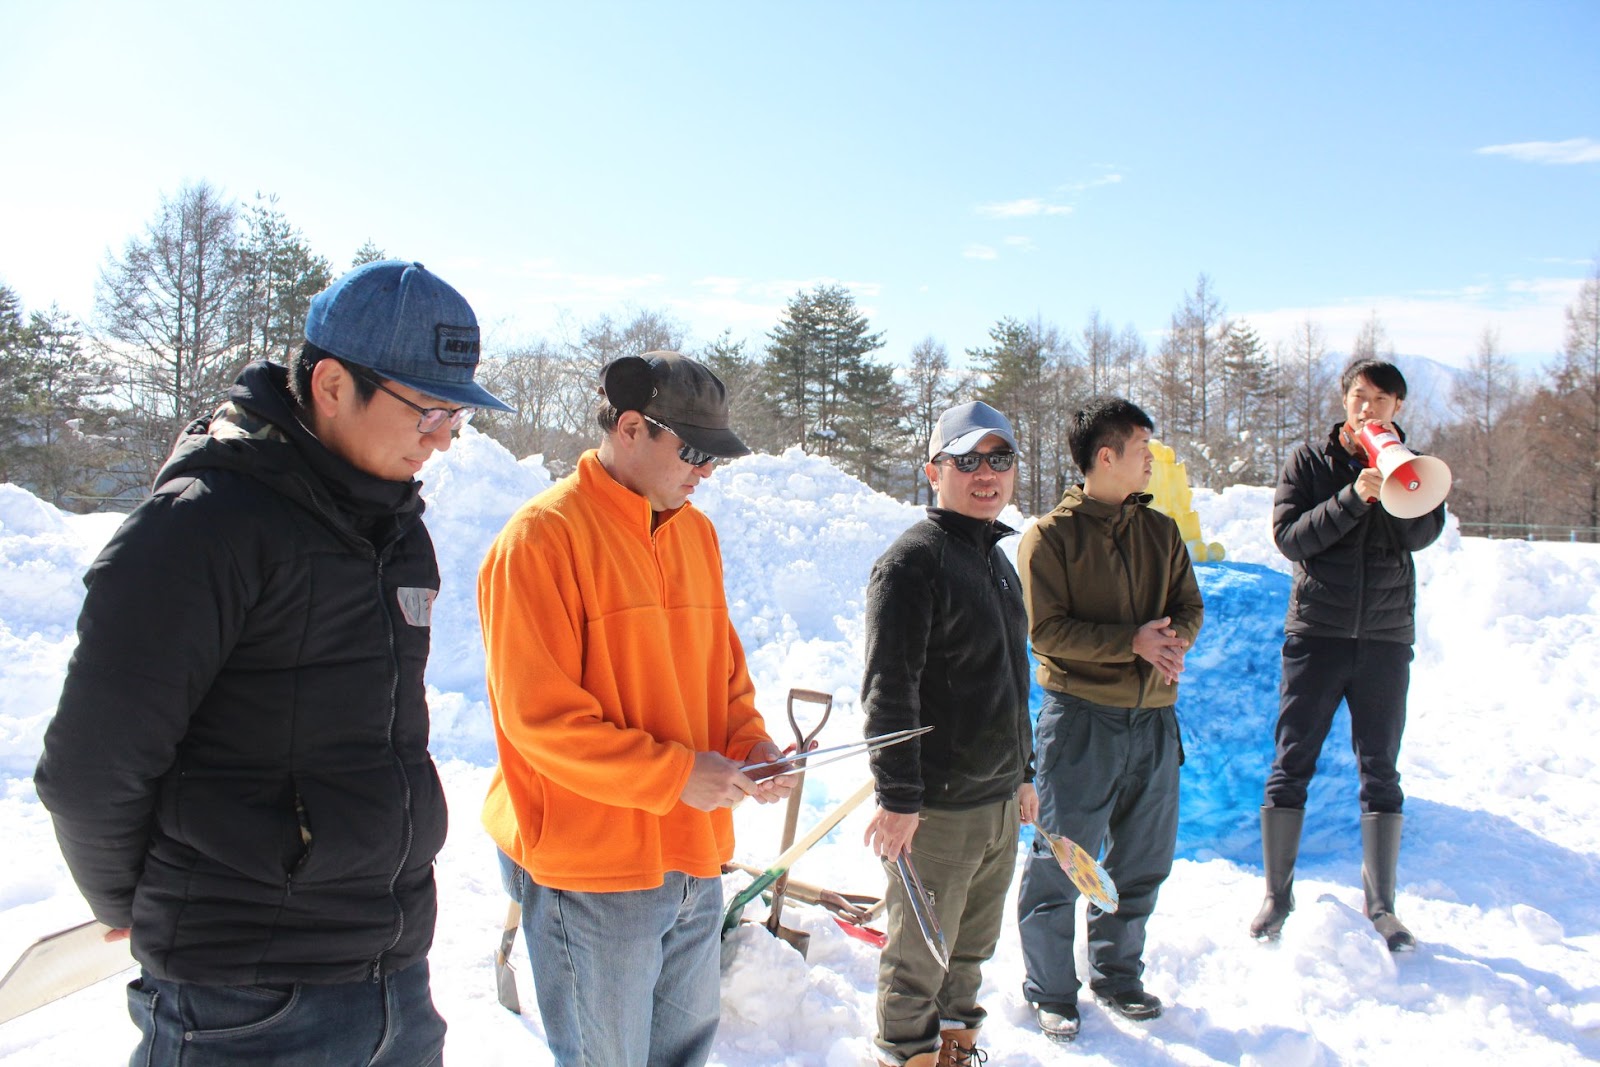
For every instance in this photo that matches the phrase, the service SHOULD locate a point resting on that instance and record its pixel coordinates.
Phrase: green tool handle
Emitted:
(794, 852)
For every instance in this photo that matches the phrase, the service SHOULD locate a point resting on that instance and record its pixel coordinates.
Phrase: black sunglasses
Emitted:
(694, 457)
(999, 462)
(428, 419)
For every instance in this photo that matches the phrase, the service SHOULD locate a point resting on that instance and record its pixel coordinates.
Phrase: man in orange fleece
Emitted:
(623, 715)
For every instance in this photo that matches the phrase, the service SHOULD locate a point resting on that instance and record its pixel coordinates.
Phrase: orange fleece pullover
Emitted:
(611, 661)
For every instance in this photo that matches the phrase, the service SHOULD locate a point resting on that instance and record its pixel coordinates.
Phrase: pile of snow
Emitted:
(1501, 766)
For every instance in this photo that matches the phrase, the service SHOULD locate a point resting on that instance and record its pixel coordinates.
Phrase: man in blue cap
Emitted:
(238, 767)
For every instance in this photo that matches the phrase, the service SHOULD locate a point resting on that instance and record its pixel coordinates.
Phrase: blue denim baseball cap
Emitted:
(405, 323)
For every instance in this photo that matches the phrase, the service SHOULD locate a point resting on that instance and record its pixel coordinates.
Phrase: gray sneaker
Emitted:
(1057, 1021)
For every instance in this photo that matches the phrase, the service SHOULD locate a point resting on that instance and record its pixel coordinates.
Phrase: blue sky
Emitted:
(1438, 163)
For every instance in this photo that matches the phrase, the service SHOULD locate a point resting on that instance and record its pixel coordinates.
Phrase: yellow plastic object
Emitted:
(1169, 484)
(1090, 878)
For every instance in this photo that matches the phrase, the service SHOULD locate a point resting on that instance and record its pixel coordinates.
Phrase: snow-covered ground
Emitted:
(1499, 876)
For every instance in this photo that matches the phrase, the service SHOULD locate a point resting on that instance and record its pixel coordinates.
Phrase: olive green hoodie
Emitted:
(1092, 574)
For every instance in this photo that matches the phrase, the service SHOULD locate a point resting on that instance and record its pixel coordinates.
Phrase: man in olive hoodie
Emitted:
(1112, 607)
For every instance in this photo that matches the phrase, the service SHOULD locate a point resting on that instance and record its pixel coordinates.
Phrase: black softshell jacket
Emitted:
(238, 767)
(947, 647)
(1353, 572)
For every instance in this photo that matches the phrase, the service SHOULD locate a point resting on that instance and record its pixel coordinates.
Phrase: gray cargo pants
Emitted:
(1105, 776)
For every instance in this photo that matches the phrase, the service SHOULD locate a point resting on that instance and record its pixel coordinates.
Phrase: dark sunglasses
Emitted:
(999, 462)
(694, 457)
(428, 419)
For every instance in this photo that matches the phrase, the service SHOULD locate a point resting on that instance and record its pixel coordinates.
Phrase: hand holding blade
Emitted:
(922, 908)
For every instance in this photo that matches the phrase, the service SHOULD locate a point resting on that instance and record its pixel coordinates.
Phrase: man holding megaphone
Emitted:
(1350, 628)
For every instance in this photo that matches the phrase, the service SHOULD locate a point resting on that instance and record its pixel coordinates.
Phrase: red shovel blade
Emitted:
(875, 938)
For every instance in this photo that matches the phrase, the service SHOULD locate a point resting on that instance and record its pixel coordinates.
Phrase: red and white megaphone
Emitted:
(1413, 485)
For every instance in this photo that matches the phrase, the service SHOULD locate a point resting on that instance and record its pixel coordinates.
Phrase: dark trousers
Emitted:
(1105, 776)
(387, 1023)
(1372, 677)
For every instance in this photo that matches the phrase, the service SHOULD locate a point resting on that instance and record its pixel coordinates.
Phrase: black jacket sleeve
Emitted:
(1416, 534)
(1310, 511)
(898, 624)
(165, 603)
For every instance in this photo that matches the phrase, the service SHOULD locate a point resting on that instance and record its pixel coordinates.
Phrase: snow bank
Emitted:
(1501, 768)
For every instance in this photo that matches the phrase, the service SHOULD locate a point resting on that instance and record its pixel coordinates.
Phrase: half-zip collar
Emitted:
(982, 533)
(631, 510)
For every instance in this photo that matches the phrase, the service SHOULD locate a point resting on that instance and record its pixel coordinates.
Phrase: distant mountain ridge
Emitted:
(1429, 384)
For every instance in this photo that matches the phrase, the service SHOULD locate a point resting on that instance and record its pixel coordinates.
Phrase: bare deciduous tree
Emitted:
(932, 387)
(1480, 399)
(165, 311)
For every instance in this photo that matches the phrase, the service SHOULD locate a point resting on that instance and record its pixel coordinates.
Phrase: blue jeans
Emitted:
(627, 979)
(388, 1023)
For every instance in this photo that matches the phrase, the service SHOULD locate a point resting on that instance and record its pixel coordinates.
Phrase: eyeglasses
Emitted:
(428, 419)
(694, 457)
(999, 462)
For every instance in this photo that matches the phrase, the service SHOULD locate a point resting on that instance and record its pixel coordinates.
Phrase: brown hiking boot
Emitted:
(960, 1049)
(921, 1059)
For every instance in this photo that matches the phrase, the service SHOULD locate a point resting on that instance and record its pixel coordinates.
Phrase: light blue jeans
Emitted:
(628, 979)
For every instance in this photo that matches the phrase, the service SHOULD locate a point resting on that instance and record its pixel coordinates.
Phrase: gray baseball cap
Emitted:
(678, 392)
(400, 320)
(960, 428)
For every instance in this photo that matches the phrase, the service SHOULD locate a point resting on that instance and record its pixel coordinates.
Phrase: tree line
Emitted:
(90, 411)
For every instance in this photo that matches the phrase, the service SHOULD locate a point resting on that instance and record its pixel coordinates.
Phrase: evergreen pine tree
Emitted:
(818, 354)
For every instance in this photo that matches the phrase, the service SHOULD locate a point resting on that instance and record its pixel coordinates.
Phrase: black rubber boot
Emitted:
(1280, 847)
(1380, 855)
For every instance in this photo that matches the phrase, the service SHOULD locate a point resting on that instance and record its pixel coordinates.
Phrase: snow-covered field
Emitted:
(1499, 877)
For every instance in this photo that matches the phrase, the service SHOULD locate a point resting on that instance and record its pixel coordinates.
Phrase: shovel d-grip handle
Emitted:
(803, 740)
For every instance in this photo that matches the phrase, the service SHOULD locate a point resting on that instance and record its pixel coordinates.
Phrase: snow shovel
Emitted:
(505, 979)
(803, 741)
(60, 964)
(1090, 878)
(730, 919)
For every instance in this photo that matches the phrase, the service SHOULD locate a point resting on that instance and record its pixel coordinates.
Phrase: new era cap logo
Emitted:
(457, 345)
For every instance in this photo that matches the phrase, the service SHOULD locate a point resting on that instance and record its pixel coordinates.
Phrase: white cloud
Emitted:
(1444, 326)
(1106, 179)
(980, 252)
(720, 285)
(1576, 150)
(713, 314)
(1024, 208)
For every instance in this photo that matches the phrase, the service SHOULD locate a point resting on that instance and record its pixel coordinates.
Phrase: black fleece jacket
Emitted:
(238, 767)
(1353, 572)
(947, 647)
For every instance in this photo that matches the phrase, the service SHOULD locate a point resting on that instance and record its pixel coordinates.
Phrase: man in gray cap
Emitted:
(238, 768)
(947, 647)
(623, 713)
